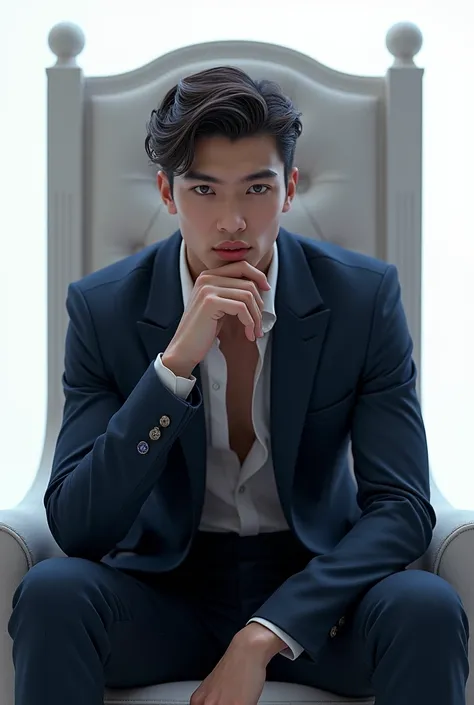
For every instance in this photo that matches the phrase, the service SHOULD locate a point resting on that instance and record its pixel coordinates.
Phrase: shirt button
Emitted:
(216, 386)
(242, 489)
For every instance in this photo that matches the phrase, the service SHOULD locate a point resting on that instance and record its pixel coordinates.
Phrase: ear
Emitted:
(165, 191)
(291, 190)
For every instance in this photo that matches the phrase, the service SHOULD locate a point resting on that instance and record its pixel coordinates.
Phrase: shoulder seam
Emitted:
(352, 266)
(92, 287)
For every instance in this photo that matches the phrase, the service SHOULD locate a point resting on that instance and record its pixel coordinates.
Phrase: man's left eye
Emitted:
(259, 187)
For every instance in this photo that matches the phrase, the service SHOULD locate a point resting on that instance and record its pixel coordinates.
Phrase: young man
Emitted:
(201, 487)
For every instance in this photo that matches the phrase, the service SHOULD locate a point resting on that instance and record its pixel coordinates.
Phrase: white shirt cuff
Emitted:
(179, 386)
(294, 649)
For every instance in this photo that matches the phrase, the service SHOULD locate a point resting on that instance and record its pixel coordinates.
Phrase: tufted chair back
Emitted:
(359, 159)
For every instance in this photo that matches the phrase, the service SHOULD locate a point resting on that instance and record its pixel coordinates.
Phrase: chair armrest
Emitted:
(451, 551)
(451, 556)
(25, 539)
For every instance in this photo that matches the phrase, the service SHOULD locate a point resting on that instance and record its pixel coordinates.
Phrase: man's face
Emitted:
(234, 191)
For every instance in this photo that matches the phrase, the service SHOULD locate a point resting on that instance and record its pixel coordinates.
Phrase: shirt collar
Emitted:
(268, 316)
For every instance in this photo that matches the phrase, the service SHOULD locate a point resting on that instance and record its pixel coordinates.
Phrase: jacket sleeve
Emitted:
(392, 473)
(99, 479)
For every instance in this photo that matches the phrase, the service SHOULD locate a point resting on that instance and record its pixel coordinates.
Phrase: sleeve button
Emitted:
(143, 447)
(155, 433)
(165, 421)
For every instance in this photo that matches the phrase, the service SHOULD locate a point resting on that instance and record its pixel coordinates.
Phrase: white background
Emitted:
(348, 35)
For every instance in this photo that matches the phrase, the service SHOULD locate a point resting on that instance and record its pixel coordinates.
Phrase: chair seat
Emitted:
(180, 694)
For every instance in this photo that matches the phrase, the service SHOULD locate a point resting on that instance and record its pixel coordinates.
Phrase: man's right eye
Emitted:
(202, 186)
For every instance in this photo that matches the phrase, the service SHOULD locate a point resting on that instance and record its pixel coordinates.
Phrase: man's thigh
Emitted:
(163, 638)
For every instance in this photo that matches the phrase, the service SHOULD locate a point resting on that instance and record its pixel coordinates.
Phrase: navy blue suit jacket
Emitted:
(342, 330)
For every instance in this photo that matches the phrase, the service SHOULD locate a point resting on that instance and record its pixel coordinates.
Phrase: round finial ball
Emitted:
(66, 40)
(404, 40)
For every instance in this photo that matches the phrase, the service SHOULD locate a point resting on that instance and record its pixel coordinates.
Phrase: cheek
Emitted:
(190, 209)
(266, 208)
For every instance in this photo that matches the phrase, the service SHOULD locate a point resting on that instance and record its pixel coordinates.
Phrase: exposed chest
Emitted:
(241, 359)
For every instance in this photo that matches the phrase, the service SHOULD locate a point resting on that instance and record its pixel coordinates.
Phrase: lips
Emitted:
(231, 253)
(229, 246)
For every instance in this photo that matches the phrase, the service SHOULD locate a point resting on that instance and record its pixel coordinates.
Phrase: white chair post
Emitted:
(404, 171)
(65, 214)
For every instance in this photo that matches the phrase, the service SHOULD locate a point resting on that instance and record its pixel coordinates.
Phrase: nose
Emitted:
(231, 222)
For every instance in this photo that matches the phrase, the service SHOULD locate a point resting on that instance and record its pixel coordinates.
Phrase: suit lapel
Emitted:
(163, 312)
(298, 338)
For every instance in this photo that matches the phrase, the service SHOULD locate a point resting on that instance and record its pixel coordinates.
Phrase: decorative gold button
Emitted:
(342, 621)
(155, 433)
(333, 632)
(165, 421)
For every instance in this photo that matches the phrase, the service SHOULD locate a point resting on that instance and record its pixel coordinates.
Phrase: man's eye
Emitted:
(205, 190)
(202, 186)
(259, 187)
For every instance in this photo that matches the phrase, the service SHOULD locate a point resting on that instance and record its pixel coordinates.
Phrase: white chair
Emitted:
(360, 165)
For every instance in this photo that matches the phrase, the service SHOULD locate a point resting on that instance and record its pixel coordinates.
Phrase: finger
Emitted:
(233, 283)
(209, 292)
(232, 307)
(242, 269)
(249, 300)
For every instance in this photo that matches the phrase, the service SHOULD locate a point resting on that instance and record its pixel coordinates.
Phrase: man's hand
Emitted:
(239, 677)
(232, 290)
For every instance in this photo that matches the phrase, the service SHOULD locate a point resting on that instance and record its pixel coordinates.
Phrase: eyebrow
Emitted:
(193, 175)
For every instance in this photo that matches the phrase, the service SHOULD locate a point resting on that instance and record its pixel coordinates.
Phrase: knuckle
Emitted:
(208, 301)
(253, 289)
(203, 280)
(206, 291)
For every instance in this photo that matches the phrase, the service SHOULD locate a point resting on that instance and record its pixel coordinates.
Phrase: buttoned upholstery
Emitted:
(360, 186)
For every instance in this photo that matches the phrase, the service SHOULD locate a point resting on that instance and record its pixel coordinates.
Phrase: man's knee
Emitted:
(419, 599)
(53, 590)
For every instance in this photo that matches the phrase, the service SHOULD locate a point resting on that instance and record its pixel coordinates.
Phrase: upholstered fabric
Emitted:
(273, 694)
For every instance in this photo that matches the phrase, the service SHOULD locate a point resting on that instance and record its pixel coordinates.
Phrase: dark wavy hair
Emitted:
(221, 101)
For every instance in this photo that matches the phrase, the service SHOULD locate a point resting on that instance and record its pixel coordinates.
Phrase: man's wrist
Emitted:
(179, 368)
(261, 641)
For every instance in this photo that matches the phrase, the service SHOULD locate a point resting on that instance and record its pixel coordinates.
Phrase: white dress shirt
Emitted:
(238, 498)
